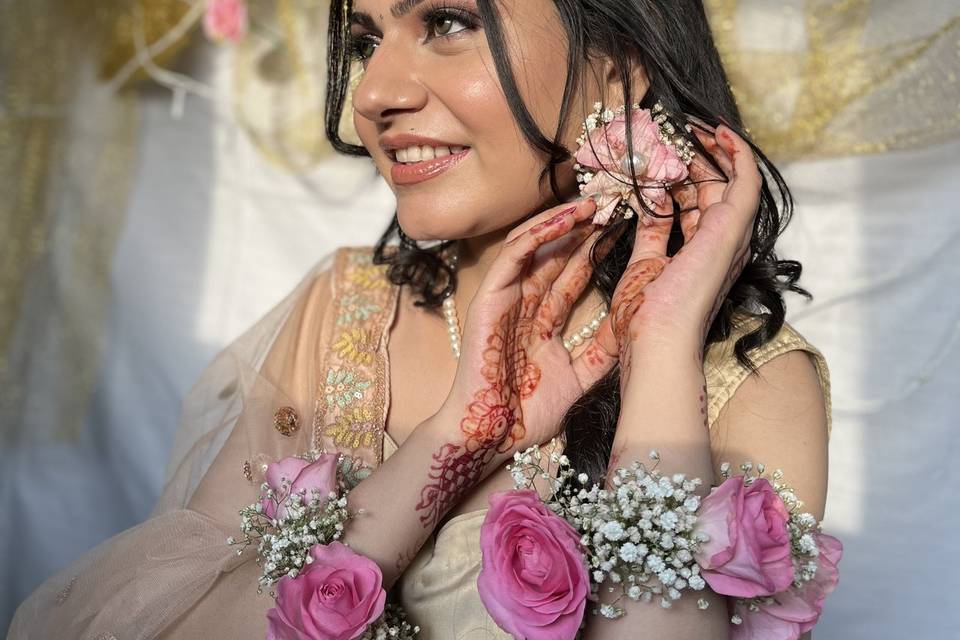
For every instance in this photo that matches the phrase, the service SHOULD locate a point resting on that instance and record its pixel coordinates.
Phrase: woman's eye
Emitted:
(443, 25)
(439, 24)
(362, 48)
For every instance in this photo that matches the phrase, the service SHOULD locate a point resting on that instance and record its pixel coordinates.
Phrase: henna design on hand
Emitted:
(629, 296)
(455, 470)
(494, 422)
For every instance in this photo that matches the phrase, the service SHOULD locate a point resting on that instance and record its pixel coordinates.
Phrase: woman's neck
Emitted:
(476, 256)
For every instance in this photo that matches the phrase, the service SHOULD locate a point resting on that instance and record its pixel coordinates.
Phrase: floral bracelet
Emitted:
(323, 588)
(651, 536)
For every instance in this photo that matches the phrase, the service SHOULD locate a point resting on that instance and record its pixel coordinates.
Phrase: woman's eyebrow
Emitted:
(398, 10)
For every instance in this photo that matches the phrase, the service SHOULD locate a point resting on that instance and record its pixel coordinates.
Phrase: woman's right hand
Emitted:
(515, 379)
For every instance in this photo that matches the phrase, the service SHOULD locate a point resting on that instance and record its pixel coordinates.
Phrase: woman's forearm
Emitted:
(664, 408)
(406, 497)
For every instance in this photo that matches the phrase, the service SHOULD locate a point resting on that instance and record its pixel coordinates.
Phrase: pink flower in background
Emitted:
(533, 580)
(749, 553)
(334, 598)
(303, 477)
(798, 609)
(225, 20)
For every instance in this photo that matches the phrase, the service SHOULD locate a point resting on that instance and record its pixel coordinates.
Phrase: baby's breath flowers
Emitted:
(289, 518)
(638, 533)
(322, 586)
(648, 535)
(392, 625)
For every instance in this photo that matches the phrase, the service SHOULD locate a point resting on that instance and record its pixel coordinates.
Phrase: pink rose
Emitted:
(303, 477)
(334, 598)
(797, 610)
(533, 580)
(606, 148)
(225, 20)
(748, 554)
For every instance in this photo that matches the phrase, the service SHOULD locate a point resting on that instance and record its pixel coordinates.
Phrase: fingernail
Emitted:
(554, 220)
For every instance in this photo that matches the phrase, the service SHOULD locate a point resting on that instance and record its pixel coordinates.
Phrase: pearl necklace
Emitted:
(453, 323)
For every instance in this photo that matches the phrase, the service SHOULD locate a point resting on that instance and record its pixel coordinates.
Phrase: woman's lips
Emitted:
(407, 173)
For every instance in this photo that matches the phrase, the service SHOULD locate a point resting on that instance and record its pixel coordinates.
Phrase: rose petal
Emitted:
(320, 475)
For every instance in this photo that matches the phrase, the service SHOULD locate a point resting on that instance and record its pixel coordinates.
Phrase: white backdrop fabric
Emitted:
(215, 237)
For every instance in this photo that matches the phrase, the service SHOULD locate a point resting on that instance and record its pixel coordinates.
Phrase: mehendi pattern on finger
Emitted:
(629, 295)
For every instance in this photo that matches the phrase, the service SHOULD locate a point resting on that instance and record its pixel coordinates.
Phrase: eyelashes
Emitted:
(361, 47)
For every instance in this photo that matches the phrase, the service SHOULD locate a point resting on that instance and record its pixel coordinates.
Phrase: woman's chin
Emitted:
(427, 229)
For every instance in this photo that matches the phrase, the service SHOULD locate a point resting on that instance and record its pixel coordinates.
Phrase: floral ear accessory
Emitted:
(651, 535)
(324, 590)
(604, 168)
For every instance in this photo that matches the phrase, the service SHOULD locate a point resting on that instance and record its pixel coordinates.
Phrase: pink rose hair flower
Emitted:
(302, 478)
(605, 166)
(335, 598)
(533, 580)
(225, 20)
(749, 552)
(797, 610)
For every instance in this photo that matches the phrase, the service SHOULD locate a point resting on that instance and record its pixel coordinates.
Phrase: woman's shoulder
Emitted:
(725, 373)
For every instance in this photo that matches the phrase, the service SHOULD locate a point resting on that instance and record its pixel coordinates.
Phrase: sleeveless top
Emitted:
(438, 589)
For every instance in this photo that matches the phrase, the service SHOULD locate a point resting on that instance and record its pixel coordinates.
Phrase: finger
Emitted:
(709, 183)
(651, 239)
(542, 217)
(599, 356)
(569, 286)
(551, 259)
(517, 252)
(595, 361)
(743, 191)
(686, 196)
(629, 295)
(689, 223)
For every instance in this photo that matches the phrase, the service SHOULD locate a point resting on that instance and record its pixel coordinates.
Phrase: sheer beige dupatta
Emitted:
(174, 575)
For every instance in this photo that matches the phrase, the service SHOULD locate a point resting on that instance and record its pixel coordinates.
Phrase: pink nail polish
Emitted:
(554, 220)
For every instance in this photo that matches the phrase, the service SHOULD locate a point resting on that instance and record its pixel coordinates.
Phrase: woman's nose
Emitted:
(389, 85)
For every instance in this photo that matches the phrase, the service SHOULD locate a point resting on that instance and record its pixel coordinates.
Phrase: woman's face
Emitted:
(430, 90)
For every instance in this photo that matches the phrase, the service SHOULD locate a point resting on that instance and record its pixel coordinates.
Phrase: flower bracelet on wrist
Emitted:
(648, 536)
(323, 588)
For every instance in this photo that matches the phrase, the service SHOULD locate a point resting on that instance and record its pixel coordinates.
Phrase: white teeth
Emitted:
(419, 154)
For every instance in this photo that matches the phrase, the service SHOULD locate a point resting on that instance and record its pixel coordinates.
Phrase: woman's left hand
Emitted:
(661, 301)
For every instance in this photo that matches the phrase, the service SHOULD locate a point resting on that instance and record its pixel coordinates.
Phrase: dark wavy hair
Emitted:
(672, 41)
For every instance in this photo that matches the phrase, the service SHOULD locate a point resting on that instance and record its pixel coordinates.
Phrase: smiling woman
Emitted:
(596, 336)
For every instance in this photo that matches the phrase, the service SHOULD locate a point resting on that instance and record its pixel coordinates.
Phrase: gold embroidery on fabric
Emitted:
(247, 471)
(343, 388)
(368, 277)
(354, 429)
(356, 345)
(350, 409)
